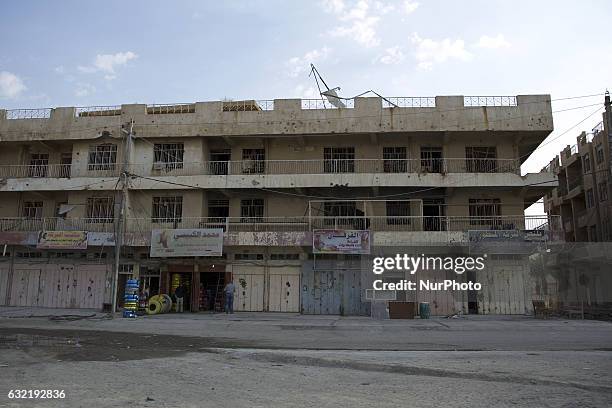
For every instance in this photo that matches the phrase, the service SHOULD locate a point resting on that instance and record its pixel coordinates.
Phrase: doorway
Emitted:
(433, 215)
(211, 291)
(181, 278)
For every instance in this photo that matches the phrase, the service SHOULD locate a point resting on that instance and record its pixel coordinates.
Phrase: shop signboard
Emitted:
(186, 242)
(62, 240)
(341, 241)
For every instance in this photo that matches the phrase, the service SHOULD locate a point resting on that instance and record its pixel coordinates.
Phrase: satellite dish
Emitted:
(333, 98)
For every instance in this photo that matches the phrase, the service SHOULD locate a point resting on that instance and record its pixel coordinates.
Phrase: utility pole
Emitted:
(120, 211)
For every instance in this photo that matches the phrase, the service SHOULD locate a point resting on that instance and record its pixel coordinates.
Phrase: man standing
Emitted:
(229, 297)
(179, 295)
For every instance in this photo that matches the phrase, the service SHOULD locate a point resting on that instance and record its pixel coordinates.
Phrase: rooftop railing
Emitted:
(40, 113)
(248, 105)
(290, 224)
(89, 111)
(489, 101)
(409, 102)
(173, 108)
(598, 128)
(325, 104)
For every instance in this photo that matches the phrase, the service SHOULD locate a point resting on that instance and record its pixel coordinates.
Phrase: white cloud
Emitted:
(410, 6)
(84, 90)
(393, 55)
(11, 85)
(107, 63)
(428, 51)
(498, 41)
(299, 65)
(358, 21)
(59, 69)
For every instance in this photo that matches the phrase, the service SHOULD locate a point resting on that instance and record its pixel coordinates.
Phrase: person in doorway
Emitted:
(179, 295)
(229, 290)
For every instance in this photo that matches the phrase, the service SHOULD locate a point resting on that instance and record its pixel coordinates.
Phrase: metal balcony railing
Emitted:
(329, 166)
(289, 224)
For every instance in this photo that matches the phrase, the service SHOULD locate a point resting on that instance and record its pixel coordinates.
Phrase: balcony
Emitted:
(287, 224)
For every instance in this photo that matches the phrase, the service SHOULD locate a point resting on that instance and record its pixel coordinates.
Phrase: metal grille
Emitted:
(394, 159)
(254, 161)
(39, 165)
(409, 102)
(483, 211)
(168, 209)
(102, 157)
(399, 209)
(33, 209)
(168, 156)
(252, 210)
(339, 159)
(481, 159)
(431, 159)
(100, 210)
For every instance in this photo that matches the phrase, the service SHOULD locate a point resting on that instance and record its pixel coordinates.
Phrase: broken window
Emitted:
(395, 159)
(431, 159)
(586, 163)
(481, 159)
(253, 161)
(100, 210)
(599, 154)
(252, 210)
(33, 209)
(603, 191)
(485, 211)
(398, 212)
(102, 157)
(341, 213)
(339, 160)
(167, 209)
(39, 164)
(168, 156)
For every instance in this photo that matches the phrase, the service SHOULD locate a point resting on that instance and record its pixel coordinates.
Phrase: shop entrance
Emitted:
(211, 291)
(181, 278)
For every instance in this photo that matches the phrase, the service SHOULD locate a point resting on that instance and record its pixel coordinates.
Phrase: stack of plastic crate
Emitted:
(130, 305)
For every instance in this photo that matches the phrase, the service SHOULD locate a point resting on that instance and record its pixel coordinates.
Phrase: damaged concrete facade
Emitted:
(414, 172)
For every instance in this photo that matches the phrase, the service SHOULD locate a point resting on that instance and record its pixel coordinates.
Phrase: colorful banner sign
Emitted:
(62, 240)
(186, 242)
(341, 241)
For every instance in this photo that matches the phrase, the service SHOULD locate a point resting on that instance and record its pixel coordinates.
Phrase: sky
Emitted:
(72, 53)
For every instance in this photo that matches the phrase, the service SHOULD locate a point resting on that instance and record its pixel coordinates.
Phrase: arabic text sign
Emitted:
(341, 241)
(186, 242)
(62, 240)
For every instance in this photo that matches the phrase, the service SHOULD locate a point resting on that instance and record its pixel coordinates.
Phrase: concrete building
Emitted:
(583, 199)
(410, 172)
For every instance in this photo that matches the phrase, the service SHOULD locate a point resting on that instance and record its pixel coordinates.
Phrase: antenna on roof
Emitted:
(332, 94)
